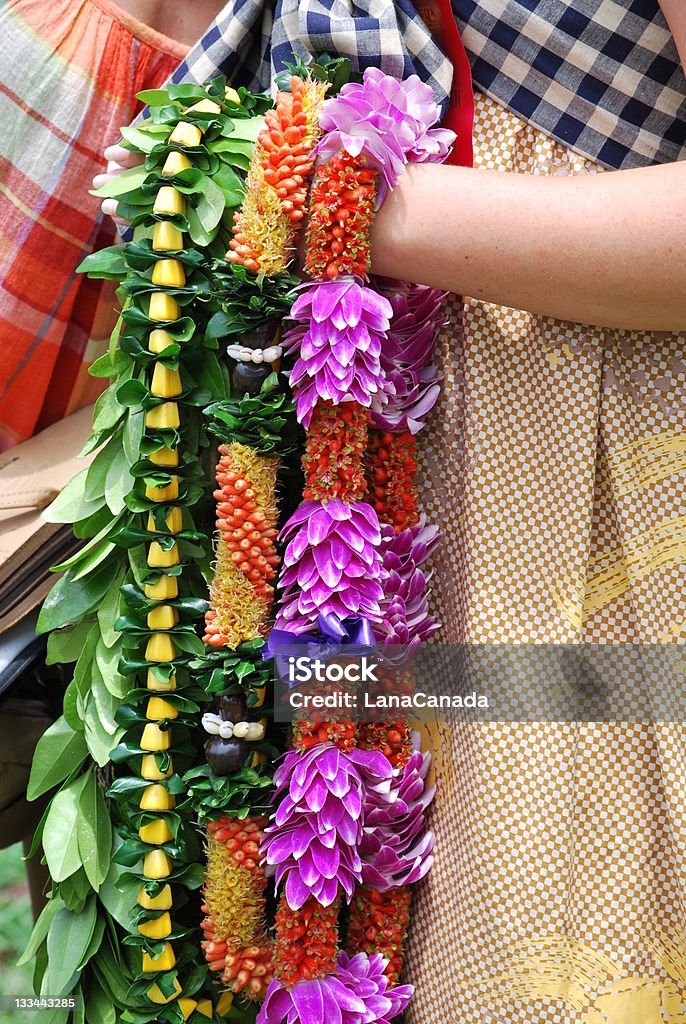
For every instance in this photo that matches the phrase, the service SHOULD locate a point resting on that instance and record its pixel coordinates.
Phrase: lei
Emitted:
(165, 755)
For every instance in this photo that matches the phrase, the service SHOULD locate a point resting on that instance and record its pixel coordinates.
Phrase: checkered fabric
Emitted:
(69, 74)
(251, 40)
(554, 463)
(602, 76)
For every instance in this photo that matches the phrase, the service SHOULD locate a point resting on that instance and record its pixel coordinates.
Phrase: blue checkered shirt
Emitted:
(601, 76)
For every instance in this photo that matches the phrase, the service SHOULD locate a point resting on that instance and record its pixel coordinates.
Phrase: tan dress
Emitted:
(556, 465)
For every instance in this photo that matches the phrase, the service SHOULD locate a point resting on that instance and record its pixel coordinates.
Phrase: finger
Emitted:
(123, 156)
(109, 207)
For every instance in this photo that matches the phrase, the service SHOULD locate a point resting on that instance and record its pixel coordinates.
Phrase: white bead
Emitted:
(257, 356)
(240, 730)
(234, 351)
(272, 354)
(226, 730)
(211, 724)
(255, 731)
(246, 354)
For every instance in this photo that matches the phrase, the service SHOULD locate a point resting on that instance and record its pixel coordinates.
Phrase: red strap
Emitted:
(438, 17)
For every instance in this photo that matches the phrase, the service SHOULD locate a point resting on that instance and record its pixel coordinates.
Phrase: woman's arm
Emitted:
(604, 249)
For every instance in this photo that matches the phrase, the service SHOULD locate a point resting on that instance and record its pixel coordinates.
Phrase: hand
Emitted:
(118, 160)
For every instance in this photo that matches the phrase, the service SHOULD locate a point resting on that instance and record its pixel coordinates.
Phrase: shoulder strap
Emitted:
(439, 18)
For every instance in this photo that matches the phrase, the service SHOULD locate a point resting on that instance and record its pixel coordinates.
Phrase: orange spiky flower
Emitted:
(393, 739)
(241, 592)
(332, 462)
(307, 940)
(308, 734)
(378, 924)
(236, 943)
(390, 465)
(341, 214)
(267, 225)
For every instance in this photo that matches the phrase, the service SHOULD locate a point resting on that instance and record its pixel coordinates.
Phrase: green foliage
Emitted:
(334, 70)
(247, 791)
(265, 422)
(60, 751)
(87, 940)
(247, 300)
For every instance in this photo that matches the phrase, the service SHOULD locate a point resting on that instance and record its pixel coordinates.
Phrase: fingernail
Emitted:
(109, 207)
(99, 180)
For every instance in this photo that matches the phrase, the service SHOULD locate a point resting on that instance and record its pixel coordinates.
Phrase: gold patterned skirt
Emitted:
(555, 464)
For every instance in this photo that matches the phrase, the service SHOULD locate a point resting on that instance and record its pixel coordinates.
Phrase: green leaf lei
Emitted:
(86, 942)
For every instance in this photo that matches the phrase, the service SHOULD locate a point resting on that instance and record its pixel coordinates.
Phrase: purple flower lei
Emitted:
(339, 330)
(356, 993)
(345, 819)
(388, 121)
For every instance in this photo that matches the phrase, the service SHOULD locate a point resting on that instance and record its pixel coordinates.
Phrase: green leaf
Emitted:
(132, 393)
(210, 206)
(110, 364)
(70, 600)
(106, 263)
(59, 835)
(107, 411)
(75, 890)
(40, 930)
(107, 660)
(65, 645)
(84, 554)
(94, 832)
(105, 702)
(118, 482)
(99, 1007)
(59, 751)
(197, 231)
(230, 184)
(144, 137)
(108, 612)
(99, 467)
(186, 92)
(68, 940)
(119, 890)
(100, 741)
(127, 181)
(153, 97)
(132, 436)
(70, 707)
(71, 504)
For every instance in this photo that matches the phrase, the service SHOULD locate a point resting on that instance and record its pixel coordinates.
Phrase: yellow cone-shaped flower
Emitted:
(154, 738)
(186, 134)
(162, 901)
(158, 928)
(166, 383)
(163, 417)
(155, 994)
(150, 770)
(166, 237)
(159, 708)
(155, 833)
(157, 864)
(164, 617)
(164, 962)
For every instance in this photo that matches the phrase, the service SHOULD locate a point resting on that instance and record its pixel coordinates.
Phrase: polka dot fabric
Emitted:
(555, 463)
